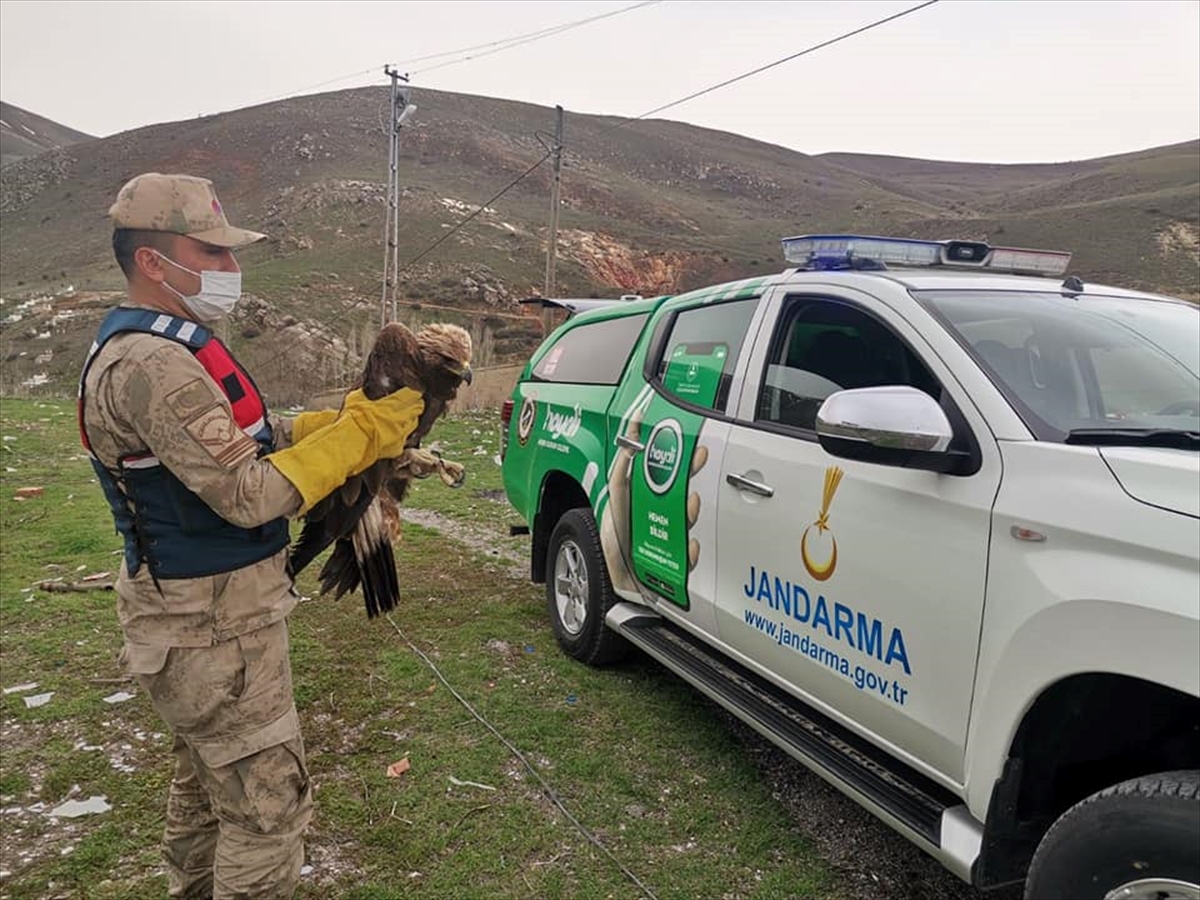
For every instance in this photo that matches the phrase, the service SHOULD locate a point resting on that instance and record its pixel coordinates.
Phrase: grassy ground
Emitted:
(671, 803)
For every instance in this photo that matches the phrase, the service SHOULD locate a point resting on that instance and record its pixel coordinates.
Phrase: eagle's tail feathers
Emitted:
(376, 562)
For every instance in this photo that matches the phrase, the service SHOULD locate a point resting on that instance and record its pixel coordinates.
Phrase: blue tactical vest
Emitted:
(162, 522)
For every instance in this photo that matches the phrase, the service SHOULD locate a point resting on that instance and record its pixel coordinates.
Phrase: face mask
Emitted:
(219, 292)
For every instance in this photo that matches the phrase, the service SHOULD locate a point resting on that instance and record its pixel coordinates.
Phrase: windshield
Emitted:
(1083, 363)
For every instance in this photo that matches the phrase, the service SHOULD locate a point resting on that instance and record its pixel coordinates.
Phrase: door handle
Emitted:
(630, 444)
(742, 483)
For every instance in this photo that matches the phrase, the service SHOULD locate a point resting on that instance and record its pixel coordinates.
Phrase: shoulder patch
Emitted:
(217, 433)
(193, 397)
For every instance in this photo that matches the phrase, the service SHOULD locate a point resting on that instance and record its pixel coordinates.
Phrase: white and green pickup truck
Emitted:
(924, 514)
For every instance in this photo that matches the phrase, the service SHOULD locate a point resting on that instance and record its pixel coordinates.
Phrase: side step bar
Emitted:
(926, 809)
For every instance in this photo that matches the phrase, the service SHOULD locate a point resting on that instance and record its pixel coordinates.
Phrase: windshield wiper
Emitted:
(1171, 438)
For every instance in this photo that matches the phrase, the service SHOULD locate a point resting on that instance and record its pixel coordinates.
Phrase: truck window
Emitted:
(701, 350)
(822, 346)
(594, 353)
(1083, 361)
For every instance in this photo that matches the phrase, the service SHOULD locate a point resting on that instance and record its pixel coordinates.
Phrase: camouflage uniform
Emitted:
(211, 652)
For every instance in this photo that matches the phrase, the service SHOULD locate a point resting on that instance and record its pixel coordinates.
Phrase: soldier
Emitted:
(201, 480)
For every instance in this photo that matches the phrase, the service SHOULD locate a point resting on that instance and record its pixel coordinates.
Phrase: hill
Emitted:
(24, 134)
(651, 206)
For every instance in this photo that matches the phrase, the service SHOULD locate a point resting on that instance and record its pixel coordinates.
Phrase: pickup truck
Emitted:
(926, 514)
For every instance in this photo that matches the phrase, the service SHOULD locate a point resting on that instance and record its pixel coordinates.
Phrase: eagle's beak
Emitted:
(467, 375)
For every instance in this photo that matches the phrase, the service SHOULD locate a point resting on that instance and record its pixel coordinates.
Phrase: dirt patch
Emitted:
(610, 261)
(484, 541)
(1180, 237)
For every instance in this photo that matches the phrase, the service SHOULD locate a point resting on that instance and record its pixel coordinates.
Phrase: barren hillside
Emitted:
(24, 134)
(651, 207)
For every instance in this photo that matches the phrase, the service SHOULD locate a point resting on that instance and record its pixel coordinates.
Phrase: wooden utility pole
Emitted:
(552, 243)
(401, 111)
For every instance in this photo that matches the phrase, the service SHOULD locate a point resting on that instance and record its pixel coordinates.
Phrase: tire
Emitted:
(578, 592)
(1136, 840)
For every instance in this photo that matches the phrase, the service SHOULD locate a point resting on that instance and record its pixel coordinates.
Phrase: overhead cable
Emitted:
(534, 36)
(516, 40)
(770, 65)
(508, 187)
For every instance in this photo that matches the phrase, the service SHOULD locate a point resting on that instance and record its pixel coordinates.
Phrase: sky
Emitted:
(969, 80)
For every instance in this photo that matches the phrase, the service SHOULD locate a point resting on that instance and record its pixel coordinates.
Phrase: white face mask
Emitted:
(219, 292)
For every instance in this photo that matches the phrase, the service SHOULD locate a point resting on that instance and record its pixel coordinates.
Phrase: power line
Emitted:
(508, 187)
(313, 87)
(536, 36)
(544, 32)
(771, 65)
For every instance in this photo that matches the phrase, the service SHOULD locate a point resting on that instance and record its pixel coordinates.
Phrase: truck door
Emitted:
(670, 435)
(858, 585)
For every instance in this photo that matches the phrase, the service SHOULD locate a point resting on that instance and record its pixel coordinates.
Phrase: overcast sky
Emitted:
(971, 80)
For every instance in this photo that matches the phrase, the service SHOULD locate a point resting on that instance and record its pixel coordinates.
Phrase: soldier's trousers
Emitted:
(240, 799)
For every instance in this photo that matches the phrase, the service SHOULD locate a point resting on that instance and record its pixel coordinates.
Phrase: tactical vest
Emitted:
(162, 522)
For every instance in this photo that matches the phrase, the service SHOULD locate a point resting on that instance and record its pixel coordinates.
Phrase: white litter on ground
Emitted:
(74, 808)
(457, 783)
(38, 700)
(20, 688)
(118, 697)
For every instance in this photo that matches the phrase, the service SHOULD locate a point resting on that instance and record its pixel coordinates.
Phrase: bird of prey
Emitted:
(362, 518)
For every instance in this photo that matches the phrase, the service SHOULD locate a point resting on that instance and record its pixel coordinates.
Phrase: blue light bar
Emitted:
(853, 251)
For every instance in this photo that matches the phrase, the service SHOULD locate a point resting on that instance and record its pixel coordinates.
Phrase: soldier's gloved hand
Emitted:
(393, 419)
(307, 422)
(363, 432)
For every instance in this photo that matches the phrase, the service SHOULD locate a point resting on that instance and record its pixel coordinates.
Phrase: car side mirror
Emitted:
(891, 426)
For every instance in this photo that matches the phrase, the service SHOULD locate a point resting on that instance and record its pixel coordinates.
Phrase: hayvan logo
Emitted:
(661, 458)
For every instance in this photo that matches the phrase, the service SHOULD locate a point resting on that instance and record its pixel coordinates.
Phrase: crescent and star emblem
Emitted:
(821, 571)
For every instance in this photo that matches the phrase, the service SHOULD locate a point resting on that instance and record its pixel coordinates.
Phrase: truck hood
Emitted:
(1168, 479)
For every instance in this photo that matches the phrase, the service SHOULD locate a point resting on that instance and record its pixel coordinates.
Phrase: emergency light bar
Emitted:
(852, 251)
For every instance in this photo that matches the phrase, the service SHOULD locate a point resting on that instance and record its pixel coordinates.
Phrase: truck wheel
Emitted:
(578, 593)
(1138, 840)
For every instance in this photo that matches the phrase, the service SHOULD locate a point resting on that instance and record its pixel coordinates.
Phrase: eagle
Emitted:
(362, 518)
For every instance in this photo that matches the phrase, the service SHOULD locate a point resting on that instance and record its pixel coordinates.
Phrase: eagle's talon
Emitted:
(452, 474)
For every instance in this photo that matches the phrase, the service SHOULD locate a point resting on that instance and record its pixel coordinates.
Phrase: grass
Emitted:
(640, 760)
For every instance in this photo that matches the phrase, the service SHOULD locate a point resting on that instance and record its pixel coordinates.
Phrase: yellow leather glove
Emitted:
(307, 422)
(364, 431)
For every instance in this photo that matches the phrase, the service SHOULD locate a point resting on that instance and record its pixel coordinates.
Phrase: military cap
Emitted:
(180, 204)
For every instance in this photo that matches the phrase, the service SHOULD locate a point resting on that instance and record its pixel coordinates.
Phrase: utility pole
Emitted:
(552, 244)
(401, 111)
